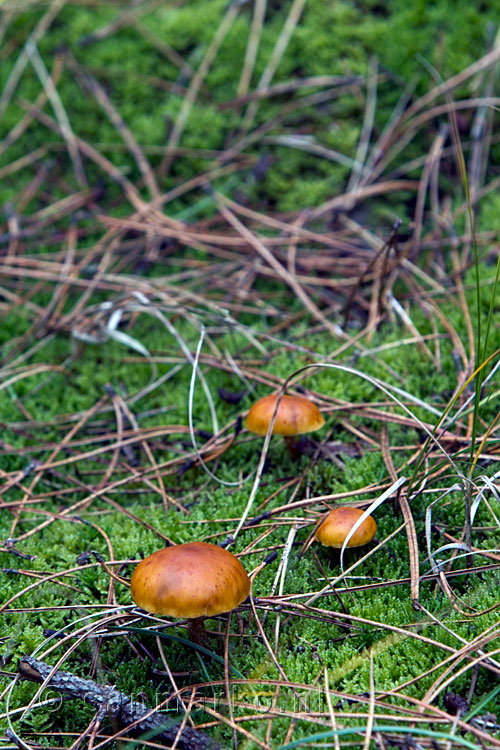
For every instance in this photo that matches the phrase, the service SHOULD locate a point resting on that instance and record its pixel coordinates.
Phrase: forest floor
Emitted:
(203, 203)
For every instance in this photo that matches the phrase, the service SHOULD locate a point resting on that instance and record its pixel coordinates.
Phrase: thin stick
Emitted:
(196, 82)
(121, 708)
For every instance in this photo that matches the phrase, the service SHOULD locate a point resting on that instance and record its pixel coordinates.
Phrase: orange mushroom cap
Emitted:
(295, 416)
(332, 531)
(190, 580)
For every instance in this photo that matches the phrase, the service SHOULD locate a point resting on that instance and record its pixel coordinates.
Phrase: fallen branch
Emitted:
(118, 706)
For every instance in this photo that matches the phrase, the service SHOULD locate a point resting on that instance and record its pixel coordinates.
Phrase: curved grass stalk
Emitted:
(375, 382)
(110, 614)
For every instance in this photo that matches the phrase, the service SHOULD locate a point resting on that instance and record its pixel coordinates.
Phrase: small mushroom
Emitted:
(333, 529)
(190, 581)
(295, 416)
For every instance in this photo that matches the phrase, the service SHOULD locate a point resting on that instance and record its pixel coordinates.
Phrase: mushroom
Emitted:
(333, 529)
(192, 581)
(295, 416)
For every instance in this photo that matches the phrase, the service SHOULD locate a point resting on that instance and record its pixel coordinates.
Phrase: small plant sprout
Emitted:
(335, 526)
(190, 581)
(295, 415)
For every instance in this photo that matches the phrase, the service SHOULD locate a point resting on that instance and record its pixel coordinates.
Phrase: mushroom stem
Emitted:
(292, 445)
(197, 631)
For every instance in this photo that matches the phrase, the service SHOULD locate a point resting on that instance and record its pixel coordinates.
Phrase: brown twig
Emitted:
(117, 705)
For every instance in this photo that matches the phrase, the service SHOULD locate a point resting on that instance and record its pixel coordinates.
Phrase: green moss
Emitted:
(337, 39)
(331, 39)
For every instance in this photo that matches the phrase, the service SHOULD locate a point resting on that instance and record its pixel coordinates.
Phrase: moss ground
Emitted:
(37, 411)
